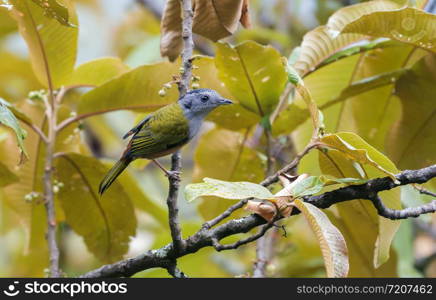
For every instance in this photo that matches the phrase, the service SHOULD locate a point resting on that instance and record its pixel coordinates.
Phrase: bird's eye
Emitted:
(204, 98)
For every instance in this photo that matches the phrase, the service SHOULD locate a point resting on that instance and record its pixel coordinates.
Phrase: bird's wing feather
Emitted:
(167, 128)
(138, 127)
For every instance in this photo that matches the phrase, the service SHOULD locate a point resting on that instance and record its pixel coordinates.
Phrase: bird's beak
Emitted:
(224, 101)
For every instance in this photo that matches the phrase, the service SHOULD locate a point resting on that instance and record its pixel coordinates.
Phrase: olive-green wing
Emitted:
(165, 129)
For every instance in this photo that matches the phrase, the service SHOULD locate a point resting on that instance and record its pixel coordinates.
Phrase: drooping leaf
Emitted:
(355, 148)
(6, 176)
(212, 19)
(331, 241)
(8, 119)
(253, 73)
(374, 243)
(54, 10)
(105, 223)
(52, 46)
(297, 81)
(407, 25)
(411, 142)
(348, 14)
(318, 46)
(226, 190)
(98, 71)
(136, 89)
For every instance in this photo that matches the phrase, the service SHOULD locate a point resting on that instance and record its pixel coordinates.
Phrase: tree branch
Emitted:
(176, 164)
(205, 237)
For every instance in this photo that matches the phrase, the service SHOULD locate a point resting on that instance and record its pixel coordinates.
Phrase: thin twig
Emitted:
(289, 167)
(225, 214)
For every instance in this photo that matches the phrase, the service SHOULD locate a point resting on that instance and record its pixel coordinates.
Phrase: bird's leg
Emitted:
(171, 174)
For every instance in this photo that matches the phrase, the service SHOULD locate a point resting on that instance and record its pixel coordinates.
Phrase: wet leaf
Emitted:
(332, 243)
(253, 73)
(407, 25)
(54, 10)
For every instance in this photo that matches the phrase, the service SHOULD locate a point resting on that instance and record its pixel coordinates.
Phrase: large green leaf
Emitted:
(52, 46)
(8, 119)
(331, 241)
(98, 71)
(136, 89)
(318, 46)
(105, 223)
(6, 176)
(224, 155)
(254, 74)
(354, 149)
(361, 239)
(407, 25)
(232, 117)
(411, 141)
(226, 190)
(348, 14)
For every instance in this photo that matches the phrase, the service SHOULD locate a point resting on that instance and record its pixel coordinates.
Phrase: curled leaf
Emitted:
(332, 243)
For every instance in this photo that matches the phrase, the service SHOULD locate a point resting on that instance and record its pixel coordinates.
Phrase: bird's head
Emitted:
(200, 102)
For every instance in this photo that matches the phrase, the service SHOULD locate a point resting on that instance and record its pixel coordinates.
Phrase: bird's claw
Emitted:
(174, 175)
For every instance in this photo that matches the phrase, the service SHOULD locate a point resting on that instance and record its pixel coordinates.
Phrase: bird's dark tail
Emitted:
(113, 174)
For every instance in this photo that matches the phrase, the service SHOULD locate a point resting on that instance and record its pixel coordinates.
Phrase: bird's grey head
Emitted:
(200, 102)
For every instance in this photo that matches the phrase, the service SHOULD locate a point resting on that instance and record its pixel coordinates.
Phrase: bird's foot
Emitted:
(174, 175)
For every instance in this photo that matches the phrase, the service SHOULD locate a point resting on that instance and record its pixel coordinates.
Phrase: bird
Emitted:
(165, 131)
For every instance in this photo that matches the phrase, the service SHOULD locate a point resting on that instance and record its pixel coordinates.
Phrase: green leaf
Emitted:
(296, 80)
(355, 148)
(308, 186)
(226, 190)
(318, 46)
(411, 143)
(53, 9)
(348, 14)
(332, 243)
(6, 176)
(406, 25)
(379, 238)
(253, 73)
(98, 71)
(137, 89)
(233, 117)
(224, 155)
(105, 223)
(8, 119)
(52, 46)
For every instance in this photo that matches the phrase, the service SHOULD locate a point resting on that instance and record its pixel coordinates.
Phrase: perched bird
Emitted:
(166, 130)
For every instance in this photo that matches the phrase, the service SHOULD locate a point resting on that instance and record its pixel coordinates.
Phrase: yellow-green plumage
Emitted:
(166, 130)
(163, 132)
